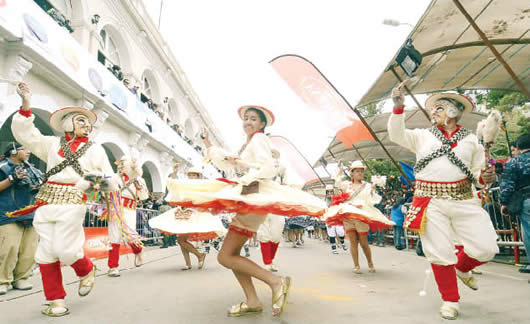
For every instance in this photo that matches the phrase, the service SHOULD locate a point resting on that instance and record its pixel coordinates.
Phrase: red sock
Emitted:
(446, 279)
(82, 267)
(52, 280)
(136, 248)
(465, 262)
(114, 256)
(266, 250)
(274, 249)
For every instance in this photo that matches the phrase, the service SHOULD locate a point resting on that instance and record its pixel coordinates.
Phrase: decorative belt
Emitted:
(457, 190)
(129, 203)
(183, 213)
(57, 193)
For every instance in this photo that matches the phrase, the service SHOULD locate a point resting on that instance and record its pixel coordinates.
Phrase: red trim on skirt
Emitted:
(232, 206)
(241, 231)
(195, 237)
(338, 219)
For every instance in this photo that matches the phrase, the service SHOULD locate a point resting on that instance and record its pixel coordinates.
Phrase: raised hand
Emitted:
(397, 94)
(24, 92)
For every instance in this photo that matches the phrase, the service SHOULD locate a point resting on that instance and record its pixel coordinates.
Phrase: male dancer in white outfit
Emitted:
(133, 190)
(270, 232)
(73, 162)
(450, 162)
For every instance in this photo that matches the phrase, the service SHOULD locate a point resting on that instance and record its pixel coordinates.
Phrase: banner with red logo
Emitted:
(97, 244)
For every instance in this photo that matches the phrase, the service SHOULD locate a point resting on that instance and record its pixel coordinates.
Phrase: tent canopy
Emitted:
(455, 57)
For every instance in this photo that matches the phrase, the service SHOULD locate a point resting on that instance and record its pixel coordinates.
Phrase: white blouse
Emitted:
(256, 158)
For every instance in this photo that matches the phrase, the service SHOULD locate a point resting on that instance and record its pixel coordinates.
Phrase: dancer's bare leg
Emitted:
(352, 235)
(244, 269)
(292, 236)
(363, 240)
(186, 247)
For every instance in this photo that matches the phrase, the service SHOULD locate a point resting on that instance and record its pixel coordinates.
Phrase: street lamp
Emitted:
(409, 58)
(395, 23)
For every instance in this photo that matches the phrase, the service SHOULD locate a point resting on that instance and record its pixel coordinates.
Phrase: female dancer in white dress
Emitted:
(354, 208)
(189, 225)
(252, 196)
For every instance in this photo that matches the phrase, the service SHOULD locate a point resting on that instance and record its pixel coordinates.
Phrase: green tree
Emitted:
(371, 110)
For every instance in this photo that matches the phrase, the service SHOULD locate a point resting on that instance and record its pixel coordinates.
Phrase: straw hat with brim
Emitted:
(193, 170)
(269, 116)
(466, 105)
(357, 165)
(56, 119)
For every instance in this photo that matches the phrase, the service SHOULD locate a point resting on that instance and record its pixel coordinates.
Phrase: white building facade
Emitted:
(65, 49)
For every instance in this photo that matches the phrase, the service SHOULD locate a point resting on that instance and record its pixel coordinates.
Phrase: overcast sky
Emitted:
(224, 48)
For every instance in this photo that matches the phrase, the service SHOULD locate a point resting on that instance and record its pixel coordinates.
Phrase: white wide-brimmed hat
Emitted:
(357, 165)
(56, 119)
(463, 103)
(269, 116)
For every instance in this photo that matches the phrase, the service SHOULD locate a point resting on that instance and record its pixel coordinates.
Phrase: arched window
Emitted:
(147, 87)
(109, 49)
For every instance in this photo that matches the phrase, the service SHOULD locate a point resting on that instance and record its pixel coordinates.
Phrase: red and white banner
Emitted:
(316, 91)
(97, 244)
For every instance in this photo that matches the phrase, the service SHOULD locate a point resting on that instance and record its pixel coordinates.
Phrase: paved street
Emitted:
(325, 290)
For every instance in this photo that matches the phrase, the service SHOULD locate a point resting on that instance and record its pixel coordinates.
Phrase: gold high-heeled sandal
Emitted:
(243, 309)
(280, 300)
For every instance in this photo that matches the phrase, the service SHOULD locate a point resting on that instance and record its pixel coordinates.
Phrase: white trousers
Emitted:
(61, 234)
(271, 230)
(334, 231)
(114, 227)
(468, 221)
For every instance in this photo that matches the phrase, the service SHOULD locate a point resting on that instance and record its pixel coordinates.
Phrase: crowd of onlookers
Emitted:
(161, 110)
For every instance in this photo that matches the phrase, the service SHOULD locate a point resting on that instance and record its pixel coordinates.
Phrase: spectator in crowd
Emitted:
(165, 237)
(150, 104)
(398, 216)
(135, 90)
(126, 83)
(380, 235)
(18, 239)
(116, 70)
(515, 190)
(60, 19)
(165, 110)
(158, 111)
(492, 202)
(148, 124)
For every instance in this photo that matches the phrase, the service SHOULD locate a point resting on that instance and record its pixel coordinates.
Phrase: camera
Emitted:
(26, 181)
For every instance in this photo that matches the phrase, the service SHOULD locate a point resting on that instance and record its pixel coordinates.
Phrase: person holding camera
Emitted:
(75, 166)
(515, 191)
(18, 238)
